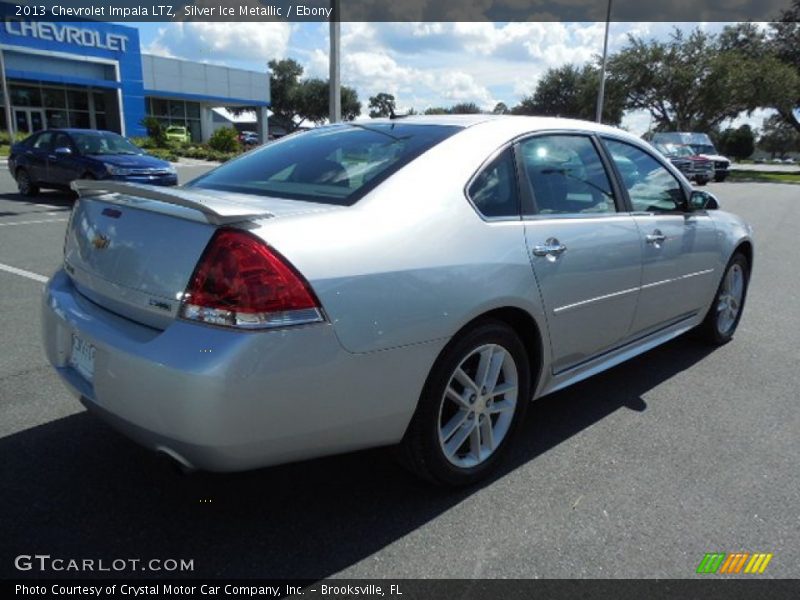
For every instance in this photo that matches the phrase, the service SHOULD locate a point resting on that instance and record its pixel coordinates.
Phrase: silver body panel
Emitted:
(398, 274)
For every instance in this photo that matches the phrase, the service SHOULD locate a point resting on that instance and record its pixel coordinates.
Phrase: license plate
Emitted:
(82, 357)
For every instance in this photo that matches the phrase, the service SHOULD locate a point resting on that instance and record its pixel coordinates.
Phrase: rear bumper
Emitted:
(222, 400)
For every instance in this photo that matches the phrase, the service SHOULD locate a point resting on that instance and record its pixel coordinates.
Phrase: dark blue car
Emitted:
(55, 157)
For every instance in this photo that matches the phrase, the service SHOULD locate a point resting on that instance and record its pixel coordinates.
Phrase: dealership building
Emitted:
(94, 75)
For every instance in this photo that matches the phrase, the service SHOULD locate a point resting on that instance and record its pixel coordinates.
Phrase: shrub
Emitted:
(145, 143)
(164, 154)
(225, 139)
(155, 130)
(5, 138)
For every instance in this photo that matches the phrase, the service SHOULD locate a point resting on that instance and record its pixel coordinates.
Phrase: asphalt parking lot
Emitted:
(637, 472)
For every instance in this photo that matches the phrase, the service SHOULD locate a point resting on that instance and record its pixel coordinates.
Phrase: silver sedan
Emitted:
(411, 282)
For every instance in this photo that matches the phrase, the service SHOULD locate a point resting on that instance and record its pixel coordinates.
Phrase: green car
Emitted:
(176, 133)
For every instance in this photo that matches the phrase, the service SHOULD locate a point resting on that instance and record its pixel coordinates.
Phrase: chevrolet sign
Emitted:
(68, 34)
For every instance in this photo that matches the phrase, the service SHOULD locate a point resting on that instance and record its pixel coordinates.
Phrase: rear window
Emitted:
(338, 164)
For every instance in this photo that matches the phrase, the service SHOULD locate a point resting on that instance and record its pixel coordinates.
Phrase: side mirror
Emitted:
(64, 151)
(701, 200)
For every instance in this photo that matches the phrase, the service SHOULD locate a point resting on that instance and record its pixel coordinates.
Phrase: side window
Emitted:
(651, 187)
(62, 141)
(494, 190)
(566, 175)
(43, 142)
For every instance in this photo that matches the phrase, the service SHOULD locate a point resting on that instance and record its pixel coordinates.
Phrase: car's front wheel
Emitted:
(723, 317)
(474, 399)
(25, 184)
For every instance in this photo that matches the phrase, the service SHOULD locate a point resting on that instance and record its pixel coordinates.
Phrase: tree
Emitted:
(465, 108)
(382, 105)
(778, 136)
(437, 110)
(295, 101)
(501, 109)
(785, 43)
(313, 101)
(284, 81)
(571, 91)
(697, 81)
(738, 143)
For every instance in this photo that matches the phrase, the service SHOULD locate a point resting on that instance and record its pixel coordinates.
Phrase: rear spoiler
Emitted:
(215, 209)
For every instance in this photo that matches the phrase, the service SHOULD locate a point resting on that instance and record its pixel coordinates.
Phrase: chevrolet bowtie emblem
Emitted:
(100, 242)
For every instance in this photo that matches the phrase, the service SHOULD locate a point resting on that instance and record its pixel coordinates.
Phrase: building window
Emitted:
(79, 119)
(54, 97)
(77, 100)
(99, 102)
(25, 95)
(176, 112)
(69, 107)
(159, 107)
(56, 118)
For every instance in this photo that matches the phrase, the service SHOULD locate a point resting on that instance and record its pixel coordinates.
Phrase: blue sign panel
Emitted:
(104, 41)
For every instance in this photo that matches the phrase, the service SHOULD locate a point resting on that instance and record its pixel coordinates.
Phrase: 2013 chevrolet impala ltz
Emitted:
(410, 282)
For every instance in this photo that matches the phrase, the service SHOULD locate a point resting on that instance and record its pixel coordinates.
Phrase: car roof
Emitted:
(515, 124)
(75, 130)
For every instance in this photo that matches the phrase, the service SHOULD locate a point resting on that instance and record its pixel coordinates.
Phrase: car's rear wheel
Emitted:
(720, 177)
(474, 399)
(726, 311)
(25, 183)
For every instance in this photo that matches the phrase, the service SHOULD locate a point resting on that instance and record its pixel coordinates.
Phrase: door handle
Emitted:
(552, 247)
(656, 237)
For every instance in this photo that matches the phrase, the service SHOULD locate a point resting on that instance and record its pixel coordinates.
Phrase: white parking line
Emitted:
(23, 273)
(34, 222)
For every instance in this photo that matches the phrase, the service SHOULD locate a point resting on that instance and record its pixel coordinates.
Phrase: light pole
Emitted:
(335, 79)
(602, 91)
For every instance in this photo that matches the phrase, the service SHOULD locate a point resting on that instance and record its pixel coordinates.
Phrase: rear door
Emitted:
(584, 247)
(679, 247)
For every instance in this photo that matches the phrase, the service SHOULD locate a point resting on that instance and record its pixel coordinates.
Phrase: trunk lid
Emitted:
(132, 248)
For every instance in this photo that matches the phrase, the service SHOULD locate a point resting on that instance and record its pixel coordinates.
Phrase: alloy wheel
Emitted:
(730, 298)
(478, 405)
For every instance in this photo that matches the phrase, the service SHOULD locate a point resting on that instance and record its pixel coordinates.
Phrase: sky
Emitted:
(421, 64)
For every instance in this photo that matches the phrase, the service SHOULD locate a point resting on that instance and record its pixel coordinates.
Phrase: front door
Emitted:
(585, 251)
(28, 120)
(36, 153)
(680, 251)
(62, 168)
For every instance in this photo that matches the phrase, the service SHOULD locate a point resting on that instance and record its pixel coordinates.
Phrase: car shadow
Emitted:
(74, 488)
(56, 201)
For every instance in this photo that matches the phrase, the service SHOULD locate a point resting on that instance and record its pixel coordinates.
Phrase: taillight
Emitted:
(242, 282)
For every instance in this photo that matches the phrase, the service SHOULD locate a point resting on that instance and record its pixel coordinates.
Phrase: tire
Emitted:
(702, 182)
(720, 177)
(725, 312)
(25, 184)
(440, 420)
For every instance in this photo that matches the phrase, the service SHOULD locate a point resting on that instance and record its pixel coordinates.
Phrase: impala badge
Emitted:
(100, 241)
